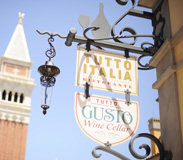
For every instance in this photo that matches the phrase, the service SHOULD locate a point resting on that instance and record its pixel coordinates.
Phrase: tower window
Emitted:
(4, 95)
(21, 98)
(16, 97)
(9, 96)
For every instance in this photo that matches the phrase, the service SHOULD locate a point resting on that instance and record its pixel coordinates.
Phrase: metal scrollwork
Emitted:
(120, 37)
(163, 154)
(117, 38)
(127, 29)
(50, 53)
(47, 81)
(108, 150)
(133, 33)
(152, 50)
(103, 34)
(146, 147)
(143, 66)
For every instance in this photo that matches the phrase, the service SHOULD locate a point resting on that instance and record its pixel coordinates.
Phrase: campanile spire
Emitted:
(17, 48)
(15, 95)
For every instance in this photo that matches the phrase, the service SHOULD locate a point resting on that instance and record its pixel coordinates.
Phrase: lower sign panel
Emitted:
(106, 119)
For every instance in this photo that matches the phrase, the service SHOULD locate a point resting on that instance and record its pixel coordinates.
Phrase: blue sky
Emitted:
(57, 134)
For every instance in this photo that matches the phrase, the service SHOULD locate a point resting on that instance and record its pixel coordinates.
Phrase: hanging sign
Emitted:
(106, 71)
(105, 119)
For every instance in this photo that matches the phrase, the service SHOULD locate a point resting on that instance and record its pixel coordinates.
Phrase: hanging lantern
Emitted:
(48, 73)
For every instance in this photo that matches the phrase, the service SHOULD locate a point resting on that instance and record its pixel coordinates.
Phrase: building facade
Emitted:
(168, 25)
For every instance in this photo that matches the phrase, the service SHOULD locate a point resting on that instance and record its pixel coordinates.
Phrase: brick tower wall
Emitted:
(13, 137)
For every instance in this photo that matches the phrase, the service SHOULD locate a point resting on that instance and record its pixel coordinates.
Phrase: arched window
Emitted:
(21, 98)
(4, 95)
(9, 96)
(16, 97)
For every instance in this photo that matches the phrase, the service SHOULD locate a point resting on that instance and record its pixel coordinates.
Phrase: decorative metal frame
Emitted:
(102, 39)
(117, 43)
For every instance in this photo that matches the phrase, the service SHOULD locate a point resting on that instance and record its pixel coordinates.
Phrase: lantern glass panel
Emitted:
(46, 96)
(47, 88)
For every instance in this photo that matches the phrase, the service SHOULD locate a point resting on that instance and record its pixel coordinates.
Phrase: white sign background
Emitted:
(106, 70)
(106, 119)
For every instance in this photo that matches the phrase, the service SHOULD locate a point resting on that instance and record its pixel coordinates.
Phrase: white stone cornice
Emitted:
(14, 112)
(14, 117)
(17, 79)
(15, 61)
(15, 106)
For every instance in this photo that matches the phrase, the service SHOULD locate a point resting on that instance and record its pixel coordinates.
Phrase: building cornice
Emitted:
(147, 3)
(168, 45)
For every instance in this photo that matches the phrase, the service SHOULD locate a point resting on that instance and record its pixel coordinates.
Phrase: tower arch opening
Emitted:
(4, 95)
(21, 98)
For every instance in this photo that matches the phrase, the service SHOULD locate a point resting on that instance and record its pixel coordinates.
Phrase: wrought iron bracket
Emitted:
(101, 34)
(101, 31)
(164, 155)
(72, 37)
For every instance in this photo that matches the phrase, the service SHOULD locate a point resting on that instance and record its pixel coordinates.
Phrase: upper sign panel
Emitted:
(106, 71)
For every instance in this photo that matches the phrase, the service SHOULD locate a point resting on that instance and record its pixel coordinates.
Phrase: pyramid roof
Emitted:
(17, 47)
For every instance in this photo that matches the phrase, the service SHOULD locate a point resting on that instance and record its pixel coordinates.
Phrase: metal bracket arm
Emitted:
(108, 150)
(72, 37)
(141, 14)
(163, 154)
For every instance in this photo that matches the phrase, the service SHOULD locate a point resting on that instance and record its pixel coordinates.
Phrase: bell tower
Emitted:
(15, 96)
